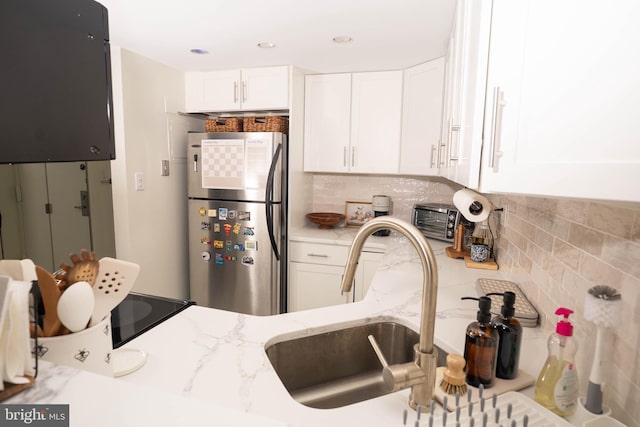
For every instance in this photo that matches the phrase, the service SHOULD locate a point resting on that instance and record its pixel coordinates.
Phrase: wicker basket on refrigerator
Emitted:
(266, 124)
(223, 124)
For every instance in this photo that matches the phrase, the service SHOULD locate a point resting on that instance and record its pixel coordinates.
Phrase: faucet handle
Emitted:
(378, 351)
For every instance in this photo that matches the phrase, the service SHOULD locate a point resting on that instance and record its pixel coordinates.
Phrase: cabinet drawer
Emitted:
(317, 253)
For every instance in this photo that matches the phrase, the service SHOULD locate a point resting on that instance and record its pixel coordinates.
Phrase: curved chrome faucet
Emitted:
(420, 374)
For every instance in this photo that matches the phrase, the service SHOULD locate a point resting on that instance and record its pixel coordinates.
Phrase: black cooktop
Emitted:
(138, 313)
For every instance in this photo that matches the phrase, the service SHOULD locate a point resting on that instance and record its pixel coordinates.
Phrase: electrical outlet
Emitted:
(139, 177)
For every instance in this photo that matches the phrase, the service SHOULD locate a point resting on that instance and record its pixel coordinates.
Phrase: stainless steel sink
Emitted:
(339, 367)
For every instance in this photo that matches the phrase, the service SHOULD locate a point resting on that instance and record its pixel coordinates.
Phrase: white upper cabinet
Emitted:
(376, 111)
(327, 122)
(561, 117)
(249, 89)
(421, 118)
(353, 122)
(466, 71)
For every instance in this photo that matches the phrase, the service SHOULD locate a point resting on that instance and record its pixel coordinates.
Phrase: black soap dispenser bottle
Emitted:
(481, 346)
(510, 331)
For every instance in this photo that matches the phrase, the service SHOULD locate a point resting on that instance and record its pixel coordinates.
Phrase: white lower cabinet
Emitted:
(315, 275)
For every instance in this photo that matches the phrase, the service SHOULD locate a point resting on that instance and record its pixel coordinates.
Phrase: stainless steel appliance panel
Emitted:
(264, 151)
(231, 260)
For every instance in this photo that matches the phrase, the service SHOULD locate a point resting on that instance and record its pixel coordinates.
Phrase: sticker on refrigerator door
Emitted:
(229, 246)
(236, 228)
(227, 228)
(216, 227)
(231, 214)
(223, 213)
(218, 244)
(212, 213)
(205, 240)
(244, 216)
(206, 256)
(205, 225)
(219, 259)
(247, 260)
(250, 246)
(238, 247)
(248, 231)
(202, 211)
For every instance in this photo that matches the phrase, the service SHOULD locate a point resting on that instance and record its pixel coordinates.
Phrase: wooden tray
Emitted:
(487, 265)
(12, 389)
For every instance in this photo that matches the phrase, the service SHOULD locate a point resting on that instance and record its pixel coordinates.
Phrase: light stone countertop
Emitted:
(209, 367)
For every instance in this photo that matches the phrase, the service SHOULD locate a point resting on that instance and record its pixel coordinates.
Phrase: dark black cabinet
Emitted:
(55, 82)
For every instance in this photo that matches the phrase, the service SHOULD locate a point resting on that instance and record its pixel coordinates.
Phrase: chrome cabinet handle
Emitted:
(453, 128)
(244, 91)
(344, 156)
(317, 255)
(496, 125)
(235, 92)
(353, 156)
(434, 149)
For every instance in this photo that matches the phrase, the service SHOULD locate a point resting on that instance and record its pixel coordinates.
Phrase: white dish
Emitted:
(127, 360)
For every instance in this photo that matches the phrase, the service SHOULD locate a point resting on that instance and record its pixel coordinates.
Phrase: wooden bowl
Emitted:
(326, 220)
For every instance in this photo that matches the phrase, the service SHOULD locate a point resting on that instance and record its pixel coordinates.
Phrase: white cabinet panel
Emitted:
(376, 122)
(421, 118)
(561, 114)
(315, 275)
(265, 88)
(314, 286)
(352, 122)
(461, 144)
(327, 122)
(249, 89)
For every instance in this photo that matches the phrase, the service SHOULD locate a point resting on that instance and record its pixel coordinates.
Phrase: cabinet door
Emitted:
(561, 113)
(315, 285)
(327, 116)
(421, 118)
(463, 120)
(265, 88)
(212, 91)
(376, 122)
(367, 268)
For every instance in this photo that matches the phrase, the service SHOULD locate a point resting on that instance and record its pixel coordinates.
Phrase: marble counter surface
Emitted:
(209, 367)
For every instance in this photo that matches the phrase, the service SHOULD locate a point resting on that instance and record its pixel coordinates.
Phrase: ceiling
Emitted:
(386, 34)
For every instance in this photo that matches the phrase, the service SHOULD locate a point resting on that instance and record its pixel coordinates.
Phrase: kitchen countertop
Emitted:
(205, 364)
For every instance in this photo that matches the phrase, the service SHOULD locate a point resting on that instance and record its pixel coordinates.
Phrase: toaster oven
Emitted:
(436, 220)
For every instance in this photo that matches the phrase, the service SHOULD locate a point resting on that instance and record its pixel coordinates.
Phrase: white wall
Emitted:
(150, 225)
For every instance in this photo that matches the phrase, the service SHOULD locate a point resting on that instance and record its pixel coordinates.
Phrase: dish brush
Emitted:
(453, 377)
(602, 307)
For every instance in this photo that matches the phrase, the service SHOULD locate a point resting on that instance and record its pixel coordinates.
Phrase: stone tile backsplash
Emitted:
(330, 192)
(555, 249)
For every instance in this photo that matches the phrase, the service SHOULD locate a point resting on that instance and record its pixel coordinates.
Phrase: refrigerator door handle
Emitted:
(269, 202)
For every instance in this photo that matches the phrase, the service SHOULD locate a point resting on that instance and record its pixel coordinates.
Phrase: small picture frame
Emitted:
(357, 214)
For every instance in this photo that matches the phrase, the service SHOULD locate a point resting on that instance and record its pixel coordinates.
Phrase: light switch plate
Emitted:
(139, 181)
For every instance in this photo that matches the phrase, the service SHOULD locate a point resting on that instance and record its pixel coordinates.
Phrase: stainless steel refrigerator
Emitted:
(237, 210)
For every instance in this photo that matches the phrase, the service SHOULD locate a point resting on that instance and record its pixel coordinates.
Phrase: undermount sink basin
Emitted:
(339, 367)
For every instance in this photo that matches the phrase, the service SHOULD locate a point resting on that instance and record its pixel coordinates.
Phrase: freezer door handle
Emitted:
(269, 202)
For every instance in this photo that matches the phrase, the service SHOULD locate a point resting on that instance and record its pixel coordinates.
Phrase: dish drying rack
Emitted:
(510, 409)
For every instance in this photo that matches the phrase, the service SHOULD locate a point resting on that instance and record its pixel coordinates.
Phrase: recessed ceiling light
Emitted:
(199, 51)
(342, 39)
(266, 45)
